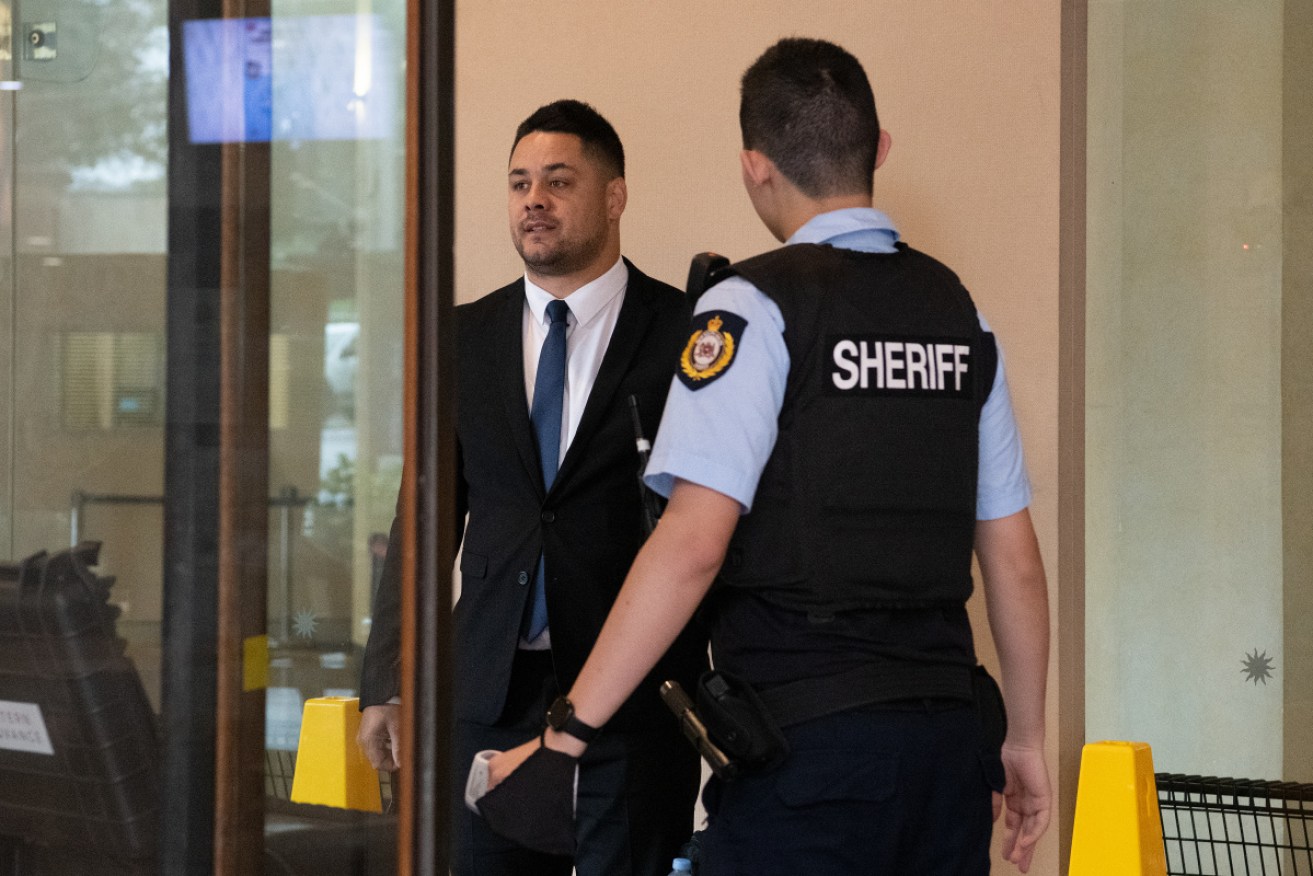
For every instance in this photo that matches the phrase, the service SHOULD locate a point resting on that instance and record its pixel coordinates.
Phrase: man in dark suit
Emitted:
(554, 527)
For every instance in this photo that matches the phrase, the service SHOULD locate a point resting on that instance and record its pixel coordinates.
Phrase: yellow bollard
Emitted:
(331, 770)
(1118, 830)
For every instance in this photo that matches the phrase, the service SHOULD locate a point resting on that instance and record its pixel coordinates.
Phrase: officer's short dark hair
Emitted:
(600, 140)
(807, 105)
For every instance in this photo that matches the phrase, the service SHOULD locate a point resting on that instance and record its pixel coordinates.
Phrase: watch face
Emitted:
(559, 713)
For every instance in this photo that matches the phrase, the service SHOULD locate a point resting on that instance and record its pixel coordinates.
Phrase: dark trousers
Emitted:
(635, 799)
(870, 792)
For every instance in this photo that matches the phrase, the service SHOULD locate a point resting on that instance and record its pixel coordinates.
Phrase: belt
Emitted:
(882, 681)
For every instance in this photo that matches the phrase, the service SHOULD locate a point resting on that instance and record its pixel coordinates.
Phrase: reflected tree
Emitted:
(95, 117)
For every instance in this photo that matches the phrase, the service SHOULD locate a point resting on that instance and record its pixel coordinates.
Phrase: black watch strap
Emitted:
(561, 718)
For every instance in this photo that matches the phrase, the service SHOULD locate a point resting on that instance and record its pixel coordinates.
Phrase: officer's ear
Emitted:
(757, 168)
(882, 151)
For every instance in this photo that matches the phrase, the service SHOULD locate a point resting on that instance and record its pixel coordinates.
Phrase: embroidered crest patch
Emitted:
(711, 348)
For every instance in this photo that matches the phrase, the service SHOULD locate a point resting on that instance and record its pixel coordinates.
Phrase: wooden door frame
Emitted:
(428, 486)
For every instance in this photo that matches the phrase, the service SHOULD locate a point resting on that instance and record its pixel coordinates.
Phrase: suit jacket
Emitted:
(588, 526)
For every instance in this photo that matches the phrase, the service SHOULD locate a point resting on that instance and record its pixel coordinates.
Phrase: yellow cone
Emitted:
(1118, 830)
(331, 770)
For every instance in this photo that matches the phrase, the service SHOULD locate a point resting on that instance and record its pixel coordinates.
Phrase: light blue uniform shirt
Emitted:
(721, 435)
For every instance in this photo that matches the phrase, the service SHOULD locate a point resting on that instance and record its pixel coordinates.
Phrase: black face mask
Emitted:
(534, 806)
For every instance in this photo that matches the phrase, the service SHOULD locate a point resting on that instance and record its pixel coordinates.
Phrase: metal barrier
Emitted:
(288, 498)
(1229, 827)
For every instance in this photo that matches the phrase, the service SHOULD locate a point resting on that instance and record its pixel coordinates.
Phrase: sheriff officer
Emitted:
(838, 441)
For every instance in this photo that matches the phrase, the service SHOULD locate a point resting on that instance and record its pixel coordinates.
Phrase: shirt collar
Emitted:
(587, 301)
(825, 227)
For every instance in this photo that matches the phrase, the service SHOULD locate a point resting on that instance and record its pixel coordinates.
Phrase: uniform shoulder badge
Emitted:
(711, 348)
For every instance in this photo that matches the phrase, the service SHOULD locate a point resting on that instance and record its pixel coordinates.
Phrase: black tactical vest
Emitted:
(869, 496)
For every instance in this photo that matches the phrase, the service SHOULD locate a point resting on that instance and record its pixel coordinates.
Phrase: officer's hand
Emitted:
(531, 797)
(502, 765)
(1029, 803)
(379, 736)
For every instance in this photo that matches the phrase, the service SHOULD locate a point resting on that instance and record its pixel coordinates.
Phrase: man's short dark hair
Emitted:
(578, 118)
(807, 105)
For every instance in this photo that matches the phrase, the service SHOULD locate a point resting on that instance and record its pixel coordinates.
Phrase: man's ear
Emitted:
(757, 168)
(882, 151)
(617, 196)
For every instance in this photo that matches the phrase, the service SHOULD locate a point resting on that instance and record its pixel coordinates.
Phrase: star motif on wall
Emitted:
(305, 623)
(1258, 667)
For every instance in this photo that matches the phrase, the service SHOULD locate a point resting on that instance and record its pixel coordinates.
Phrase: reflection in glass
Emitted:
(337, 176)
(288, 78)
(83, 259)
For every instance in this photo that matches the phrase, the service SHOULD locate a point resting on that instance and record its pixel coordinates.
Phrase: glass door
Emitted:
(336, 174)
(83, 260)
(142, 144)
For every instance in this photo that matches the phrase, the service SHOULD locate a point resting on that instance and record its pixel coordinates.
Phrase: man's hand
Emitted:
(1029, 803)
(379, 736)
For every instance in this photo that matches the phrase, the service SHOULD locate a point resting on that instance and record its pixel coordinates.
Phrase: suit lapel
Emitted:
(630, 327)
(509, 332)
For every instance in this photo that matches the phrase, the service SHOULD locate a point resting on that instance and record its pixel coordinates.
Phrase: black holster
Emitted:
(748, 731)
(738, 722)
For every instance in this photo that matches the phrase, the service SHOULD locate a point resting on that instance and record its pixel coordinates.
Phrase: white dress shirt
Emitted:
(594, 309)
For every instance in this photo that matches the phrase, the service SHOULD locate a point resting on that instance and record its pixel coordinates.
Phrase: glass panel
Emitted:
(85, 375)
(337, 199)
(1190, 384)
(83, 151)
(8, 85)
(85, 257)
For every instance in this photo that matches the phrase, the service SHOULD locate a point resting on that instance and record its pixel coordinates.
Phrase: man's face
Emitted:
(564, 207)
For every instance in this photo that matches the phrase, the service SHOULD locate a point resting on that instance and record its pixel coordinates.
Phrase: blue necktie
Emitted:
(548, 392)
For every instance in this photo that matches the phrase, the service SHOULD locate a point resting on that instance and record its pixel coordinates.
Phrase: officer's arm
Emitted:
(1016, 598)
(669, 577)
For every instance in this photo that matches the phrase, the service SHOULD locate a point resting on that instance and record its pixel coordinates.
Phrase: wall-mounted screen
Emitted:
(317, 77)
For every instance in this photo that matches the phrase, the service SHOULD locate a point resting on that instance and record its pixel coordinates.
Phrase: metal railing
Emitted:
(287, 500)
(1227, 827)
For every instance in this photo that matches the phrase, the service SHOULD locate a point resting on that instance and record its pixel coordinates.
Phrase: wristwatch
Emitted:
(560, 717)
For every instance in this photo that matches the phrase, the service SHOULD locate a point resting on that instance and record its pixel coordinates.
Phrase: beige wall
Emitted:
(1297, 388)
(970, 93)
